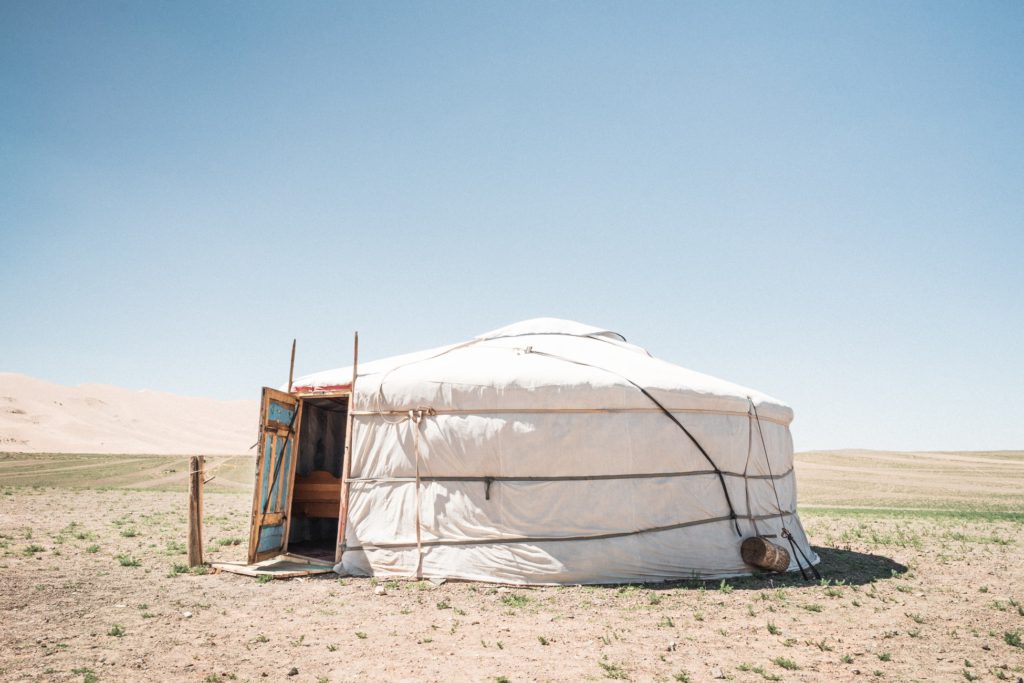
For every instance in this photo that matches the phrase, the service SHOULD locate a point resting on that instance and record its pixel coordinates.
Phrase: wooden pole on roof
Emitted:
(195, 510)
(346, 470)
(291, 368)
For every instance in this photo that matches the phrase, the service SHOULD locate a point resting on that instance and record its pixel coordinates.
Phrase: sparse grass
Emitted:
(126, 560)
(614, 671)
(821, 644)
(785, 663)
(175, 548)
(1013, 639)
(954, 513)
(361, 635)
(514, 600)
(766, 675)
(88, 675)
(117, 630)
(773, 629)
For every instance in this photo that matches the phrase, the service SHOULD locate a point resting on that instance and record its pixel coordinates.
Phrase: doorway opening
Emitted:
(316, 492)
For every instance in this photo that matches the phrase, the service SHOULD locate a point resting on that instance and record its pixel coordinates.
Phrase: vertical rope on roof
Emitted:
(669, 415)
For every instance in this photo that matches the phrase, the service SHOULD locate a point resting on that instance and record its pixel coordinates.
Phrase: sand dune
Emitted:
(37, 417)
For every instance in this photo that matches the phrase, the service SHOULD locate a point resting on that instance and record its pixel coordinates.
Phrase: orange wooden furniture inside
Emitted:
(318, 495)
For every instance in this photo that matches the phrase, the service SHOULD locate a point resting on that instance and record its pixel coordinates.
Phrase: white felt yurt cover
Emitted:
(538, 453)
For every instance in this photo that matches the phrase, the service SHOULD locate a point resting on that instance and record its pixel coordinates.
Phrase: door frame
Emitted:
(300, 398)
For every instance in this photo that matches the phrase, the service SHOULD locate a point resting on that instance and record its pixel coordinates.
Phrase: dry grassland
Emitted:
(921, 554)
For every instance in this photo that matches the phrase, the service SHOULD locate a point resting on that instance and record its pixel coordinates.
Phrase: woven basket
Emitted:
(762, 553)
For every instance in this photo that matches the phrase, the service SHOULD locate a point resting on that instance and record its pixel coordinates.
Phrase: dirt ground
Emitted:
(93, 587)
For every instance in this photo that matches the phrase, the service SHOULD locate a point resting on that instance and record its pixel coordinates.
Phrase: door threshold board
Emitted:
(281, 567)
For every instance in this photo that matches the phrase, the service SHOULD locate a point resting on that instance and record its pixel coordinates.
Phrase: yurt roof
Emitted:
(543, 364)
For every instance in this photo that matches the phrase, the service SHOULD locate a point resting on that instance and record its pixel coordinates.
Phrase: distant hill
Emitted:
(38, 417)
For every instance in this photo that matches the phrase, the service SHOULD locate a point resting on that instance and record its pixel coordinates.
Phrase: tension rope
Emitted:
(786, 534)
(416, 419)
(669, 415)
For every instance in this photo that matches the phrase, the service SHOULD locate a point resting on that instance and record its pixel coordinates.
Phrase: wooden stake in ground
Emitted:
(195, 511)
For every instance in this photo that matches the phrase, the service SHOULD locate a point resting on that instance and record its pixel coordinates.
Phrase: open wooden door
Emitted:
(275, 467)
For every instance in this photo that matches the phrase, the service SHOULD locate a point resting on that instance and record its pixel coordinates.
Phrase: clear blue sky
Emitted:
(822, 201)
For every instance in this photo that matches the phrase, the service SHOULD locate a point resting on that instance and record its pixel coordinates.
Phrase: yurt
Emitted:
(544, 452)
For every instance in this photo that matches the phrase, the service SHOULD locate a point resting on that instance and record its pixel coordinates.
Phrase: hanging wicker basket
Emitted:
(762, 553)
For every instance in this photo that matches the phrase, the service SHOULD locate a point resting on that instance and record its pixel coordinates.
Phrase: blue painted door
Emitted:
(275, 469)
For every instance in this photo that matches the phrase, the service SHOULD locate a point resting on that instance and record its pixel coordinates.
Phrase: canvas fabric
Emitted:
(540, 461)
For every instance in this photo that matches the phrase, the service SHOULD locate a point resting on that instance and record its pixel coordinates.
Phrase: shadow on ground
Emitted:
(856, 568)
(837, 566)
(844, 567)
